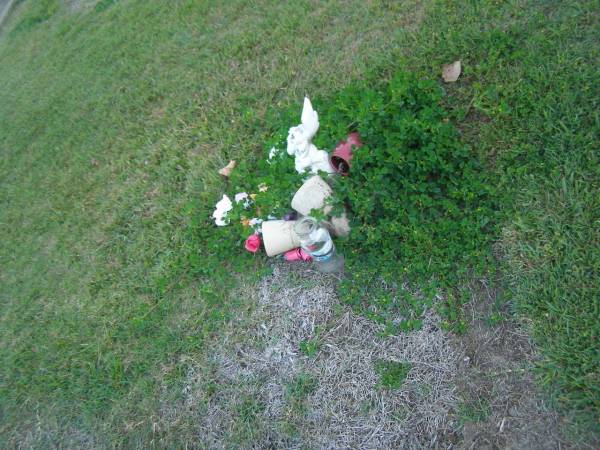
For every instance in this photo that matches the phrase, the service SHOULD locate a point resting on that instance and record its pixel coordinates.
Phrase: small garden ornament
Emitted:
(299, 145)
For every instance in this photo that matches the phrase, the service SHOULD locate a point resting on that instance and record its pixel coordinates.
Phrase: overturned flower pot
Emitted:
(313, 195)
(342, 154)
(279, 236)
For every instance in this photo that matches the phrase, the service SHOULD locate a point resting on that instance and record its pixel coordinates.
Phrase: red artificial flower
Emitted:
(252, 244)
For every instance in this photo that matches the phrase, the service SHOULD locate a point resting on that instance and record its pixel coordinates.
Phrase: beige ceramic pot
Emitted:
(279, 236)
(312, 195)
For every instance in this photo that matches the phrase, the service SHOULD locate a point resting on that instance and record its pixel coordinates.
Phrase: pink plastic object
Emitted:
(342, 154)
(297, 254)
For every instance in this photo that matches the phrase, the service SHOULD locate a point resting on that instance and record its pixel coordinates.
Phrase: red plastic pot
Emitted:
(342, 153)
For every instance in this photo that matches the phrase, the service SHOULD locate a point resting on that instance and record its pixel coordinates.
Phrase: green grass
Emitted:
(392, 373)
(114, 123)
(542, 139)
(298, 389)
(473, 410)
(115, 118)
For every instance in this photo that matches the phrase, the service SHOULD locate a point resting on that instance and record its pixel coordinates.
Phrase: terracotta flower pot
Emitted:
(342, 154)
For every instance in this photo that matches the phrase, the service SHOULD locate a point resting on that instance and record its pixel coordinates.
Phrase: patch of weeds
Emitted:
(288, 429)
(248, 409)
(401, 414)
(494, 318)
(246, 427)
(210, 388)
(475, 410)
(423, 390)
(452, 312)
(391, 373)
(366, 406)
(415, 194)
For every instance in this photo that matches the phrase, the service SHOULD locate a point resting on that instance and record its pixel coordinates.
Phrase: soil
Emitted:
(501, 407)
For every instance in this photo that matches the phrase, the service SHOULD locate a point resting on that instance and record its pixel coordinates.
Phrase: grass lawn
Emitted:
(116, 115)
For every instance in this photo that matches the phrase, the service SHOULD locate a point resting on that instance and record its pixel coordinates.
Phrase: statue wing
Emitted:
(310, 119)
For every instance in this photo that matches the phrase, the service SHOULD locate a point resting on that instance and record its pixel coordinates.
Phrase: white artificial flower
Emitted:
(242, 196)
(222, 207)
(256, 223)
(273, 153)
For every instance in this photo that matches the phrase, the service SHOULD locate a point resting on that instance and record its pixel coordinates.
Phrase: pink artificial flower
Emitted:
(252, 244)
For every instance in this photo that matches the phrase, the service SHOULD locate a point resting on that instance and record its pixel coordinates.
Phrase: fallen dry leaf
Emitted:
(451, 72)
(226, 171)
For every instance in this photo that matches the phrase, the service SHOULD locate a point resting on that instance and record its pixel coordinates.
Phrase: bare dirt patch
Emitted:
(501, 406)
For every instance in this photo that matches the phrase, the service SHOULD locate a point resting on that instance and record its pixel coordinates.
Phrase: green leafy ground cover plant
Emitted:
(421, 208)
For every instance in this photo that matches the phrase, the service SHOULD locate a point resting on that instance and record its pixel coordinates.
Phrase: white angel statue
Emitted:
(308, 157)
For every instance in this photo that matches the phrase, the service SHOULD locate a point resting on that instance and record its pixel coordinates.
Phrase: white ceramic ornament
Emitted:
(299, 145)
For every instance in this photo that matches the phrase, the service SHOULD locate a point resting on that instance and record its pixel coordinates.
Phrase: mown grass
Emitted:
(542, 142)
(114, 119)
(114, 122)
